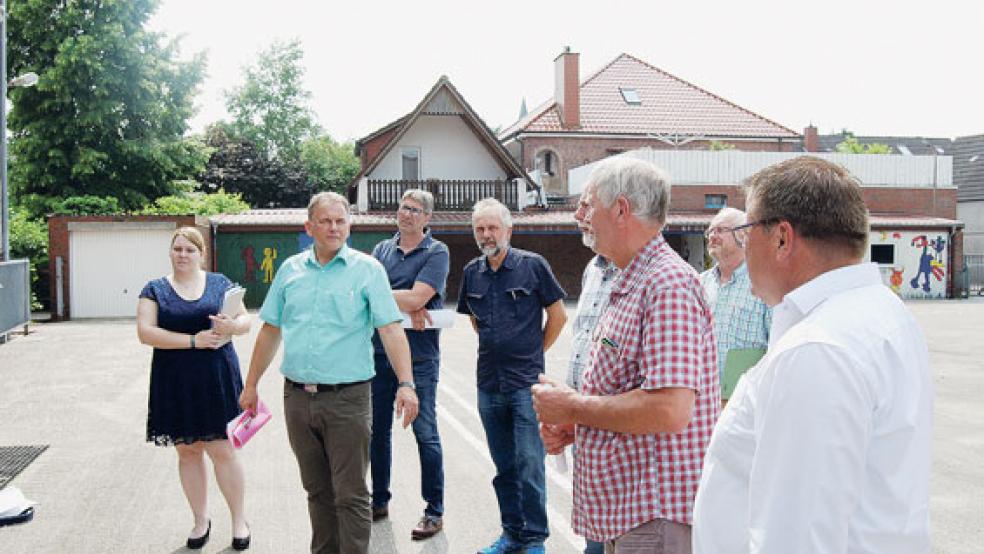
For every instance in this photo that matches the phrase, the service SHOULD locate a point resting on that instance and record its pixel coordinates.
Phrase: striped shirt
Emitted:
(655, 333)
(741, 320)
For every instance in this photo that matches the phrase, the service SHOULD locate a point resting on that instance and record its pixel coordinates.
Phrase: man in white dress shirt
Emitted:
(825, 444)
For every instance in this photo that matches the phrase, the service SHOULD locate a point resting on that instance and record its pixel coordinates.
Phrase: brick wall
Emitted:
(58, 246)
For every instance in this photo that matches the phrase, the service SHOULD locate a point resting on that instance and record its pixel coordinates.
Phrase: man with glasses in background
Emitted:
(741, 321)
(826, 444)
(417, 267)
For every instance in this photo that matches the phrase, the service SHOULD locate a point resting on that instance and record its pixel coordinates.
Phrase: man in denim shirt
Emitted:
(417, 267)
(506, 291)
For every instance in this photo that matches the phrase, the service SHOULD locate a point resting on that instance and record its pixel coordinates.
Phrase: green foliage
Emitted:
(330, 166)
(850, 145)
(198, 203)
(86, 205)
(29, 239)
(717, 146)
(271, 109)
(108, 113)
(238, 166)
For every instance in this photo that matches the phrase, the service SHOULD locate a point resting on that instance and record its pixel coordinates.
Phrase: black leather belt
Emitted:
(321, 387)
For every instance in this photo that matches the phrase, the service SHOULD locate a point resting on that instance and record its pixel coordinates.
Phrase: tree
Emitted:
(271, 108)
(108, 113)
(330, 166)
(238, 166)
(198, 203)
(850, 145)
(718, 146)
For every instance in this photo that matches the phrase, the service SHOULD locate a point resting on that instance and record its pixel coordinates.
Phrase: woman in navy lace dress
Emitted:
(195, 379)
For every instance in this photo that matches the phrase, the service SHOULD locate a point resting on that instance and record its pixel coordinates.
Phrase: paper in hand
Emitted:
(232, 301)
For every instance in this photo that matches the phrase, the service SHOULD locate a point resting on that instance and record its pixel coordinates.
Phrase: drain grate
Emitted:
(13, 460)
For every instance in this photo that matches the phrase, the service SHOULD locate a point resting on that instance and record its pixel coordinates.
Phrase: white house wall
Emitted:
(448, 150)
(922, 261)
(972, 214)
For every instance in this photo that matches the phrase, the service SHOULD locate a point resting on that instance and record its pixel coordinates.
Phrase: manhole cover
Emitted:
(13, 460)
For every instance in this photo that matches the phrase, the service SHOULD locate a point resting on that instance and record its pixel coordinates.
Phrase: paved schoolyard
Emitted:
(81, 388)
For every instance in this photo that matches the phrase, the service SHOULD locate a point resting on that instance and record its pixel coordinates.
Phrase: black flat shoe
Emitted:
(241, 543)
(197, 543)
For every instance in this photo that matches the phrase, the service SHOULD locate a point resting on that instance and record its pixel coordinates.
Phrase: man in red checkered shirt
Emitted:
(650, 395)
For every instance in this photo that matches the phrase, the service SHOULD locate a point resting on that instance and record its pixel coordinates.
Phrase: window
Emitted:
(715, 201)
(631, 96)
(883, 254)
(546, 162)
(411, 163)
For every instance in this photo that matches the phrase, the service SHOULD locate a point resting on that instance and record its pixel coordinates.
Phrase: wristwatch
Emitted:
(408, 384)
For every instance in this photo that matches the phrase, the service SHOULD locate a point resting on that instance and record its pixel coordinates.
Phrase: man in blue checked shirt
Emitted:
(741, 320)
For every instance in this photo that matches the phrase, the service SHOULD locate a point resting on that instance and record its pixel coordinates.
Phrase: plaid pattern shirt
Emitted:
(596, 283)
(741, 320)
(656, 333)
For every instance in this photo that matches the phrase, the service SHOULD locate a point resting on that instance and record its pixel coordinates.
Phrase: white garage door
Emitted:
(111, 262)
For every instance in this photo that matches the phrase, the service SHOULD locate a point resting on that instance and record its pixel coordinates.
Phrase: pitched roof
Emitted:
(443, 98)
(908, 146)
(968, 167)
(669, 106)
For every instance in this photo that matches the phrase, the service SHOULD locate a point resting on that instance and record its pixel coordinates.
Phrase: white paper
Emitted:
(233, 299)
(13, 502)
(560, 462)
(440, 319)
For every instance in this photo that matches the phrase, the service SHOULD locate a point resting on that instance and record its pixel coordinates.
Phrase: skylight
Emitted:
(631, 96)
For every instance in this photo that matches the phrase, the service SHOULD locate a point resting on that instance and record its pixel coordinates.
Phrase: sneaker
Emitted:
(503, 545)
(535, 550)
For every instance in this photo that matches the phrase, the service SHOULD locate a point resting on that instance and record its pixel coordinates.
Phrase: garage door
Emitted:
(111, 262)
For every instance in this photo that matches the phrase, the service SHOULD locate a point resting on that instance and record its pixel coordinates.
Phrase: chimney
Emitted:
(811, 139)
(567, 90)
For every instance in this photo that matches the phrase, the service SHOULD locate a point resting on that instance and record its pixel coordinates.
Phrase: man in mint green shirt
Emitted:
(325, 303)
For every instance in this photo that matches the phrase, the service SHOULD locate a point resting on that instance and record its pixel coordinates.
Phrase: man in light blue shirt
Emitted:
(325, 303)
(741, 320)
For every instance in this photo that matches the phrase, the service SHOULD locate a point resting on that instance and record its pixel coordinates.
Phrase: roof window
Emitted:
(631, 96)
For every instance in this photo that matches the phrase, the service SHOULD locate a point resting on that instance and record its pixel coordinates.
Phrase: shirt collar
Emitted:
(804, 299)
(637, 270)
(740, 272)
(344, 254)
(512, 258)
(425, 243)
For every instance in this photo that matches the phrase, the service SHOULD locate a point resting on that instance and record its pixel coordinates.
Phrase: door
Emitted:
(109, 264)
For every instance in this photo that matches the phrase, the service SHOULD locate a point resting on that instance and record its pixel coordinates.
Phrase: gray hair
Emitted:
(733, 215)
(420, 196)
(645, 186)
(328, 198)
(491, 204)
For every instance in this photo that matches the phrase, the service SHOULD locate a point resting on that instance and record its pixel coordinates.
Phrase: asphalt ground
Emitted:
(81, 387)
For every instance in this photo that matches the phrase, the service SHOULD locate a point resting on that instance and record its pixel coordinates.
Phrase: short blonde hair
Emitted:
(192, 235)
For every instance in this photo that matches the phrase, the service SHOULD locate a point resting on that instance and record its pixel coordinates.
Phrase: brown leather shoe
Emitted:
(379, 512)
(427, 527)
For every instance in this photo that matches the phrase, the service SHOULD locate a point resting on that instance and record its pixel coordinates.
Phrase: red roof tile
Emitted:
(669, 106)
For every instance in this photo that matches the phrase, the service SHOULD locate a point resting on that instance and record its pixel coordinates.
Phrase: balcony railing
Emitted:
(449, 195)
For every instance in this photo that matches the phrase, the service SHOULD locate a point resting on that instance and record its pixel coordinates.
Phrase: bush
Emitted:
(86, 205)
(29, 239)
(198, 203)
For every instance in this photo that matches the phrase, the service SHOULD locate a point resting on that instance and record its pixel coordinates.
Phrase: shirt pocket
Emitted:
(522, 303)
(479, 304)
(344, 308)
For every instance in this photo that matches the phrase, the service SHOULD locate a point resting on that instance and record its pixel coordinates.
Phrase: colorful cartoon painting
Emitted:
(269, 255)
(896, 280)
(249, 264)
(930, 263)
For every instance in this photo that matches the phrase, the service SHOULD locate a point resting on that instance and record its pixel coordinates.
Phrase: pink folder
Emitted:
(245, 425)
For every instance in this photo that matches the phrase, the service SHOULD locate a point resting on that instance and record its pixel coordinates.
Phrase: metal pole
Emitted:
(4, 201)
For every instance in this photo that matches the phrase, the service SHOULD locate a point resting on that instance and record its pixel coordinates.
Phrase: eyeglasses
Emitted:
(741, 232)
(411, 210)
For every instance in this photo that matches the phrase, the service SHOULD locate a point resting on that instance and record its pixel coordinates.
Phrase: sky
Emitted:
(898, 67)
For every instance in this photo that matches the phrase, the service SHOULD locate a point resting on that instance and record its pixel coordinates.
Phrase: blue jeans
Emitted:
(517, 452)
(384, 386)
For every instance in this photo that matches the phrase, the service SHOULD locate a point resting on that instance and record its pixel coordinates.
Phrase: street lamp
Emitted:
(25, 80)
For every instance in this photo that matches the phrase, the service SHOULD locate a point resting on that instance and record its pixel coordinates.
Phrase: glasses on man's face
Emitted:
(411, 210)
(741, 232)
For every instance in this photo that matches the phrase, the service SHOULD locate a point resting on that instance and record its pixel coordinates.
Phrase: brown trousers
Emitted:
(329, 433)
(659, 536)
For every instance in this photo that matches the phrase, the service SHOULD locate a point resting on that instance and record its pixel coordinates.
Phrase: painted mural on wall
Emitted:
(252, 259)
(914, 264)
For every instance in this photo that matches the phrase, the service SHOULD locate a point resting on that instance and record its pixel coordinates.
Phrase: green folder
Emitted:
(738, 361)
